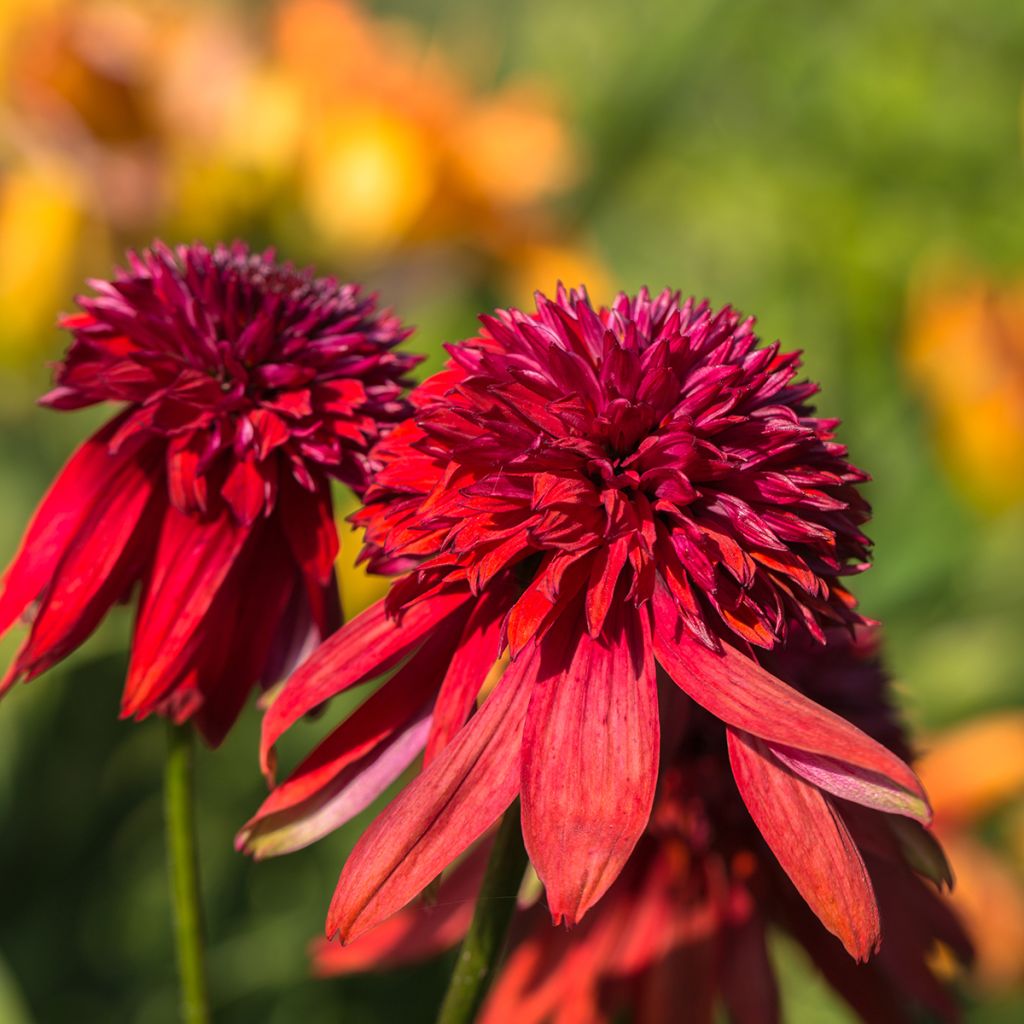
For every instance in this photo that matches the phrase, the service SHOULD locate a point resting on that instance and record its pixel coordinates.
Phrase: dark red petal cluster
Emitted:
(246, 386)
(690, 911)
(598, 450)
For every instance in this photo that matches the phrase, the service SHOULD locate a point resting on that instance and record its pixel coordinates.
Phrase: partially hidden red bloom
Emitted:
(597, 493)
(246, 386)
(683, 928)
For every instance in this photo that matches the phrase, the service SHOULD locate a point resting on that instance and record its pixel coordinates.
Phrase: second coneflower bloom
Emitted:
(245, 387)
(607, 497)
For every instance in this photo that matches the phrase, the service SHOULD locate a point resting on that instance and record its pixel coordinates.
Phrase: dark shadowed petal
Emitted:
(590, 761)
(438, 815)
(811, 843)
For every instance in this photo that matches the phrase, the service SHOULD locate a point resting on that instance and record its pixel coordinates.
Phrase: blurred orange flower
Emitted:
(971, 772)
(965, 350)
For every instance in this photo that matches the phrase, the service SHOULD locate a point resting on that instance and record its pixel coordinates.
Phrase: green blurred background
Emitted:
(850, 173)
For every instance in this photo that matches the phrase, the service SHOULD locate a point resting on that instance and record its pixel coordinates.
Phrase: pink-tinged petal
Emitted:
(438, 815)
(359, 759)
(102, 561)
(474, 657)
(362, 649)
(810, 842)
(420, 931)
(193, 559)
(590, 760)
(858, 785)
(735, 689)
(85, 479)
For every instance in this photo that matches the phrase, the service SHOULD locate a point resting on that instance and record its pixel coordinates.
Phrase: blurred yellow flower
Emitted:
(972, 771)
(965, 350)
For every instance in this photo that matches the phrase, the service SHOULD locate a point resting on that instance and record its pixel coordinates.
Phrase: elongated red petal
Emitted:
(419, 931)
(359, 759)
(85, 478)
(590, 762)
(101, 562)
(364, 648)
(437, 816)
(740, 692)
(192, 561)
(473, 659)
(810, 841)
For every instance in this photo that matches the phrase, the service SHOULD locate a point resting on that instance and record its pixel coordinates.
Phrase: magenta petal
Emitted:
(737, 690)
(810, 841)
(590, 762)
(438, 815)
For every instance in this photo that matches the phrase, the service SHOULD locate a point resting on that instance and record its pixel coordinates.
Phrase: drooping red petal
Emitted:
(737, 690)
(437, 816)
(357, 761)
(810, 841)
(364, 648)
(192, 561)
(308, 521)
(102, 560)
(419, 931)
(590, 760)
(85, 478)
(473, 659)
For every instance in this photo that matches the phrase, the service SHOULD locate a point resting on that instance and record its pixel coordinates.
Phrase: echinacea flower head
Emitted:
(246, 386)
(693, 908)
(604, 496)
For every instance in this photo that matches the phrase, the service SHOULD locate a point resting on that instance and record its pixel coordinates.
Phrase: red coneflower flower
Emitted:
(247, 385)
(690, 911)
(600, 492)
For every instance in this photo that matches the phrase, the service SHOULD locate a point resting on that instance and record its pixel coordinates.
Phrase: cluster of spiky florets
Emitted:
(248, 368)
(595, 451)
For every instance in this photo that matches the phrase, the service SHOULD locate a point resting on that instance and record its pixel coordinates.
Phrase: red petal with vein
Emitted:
(359, 759)
(737, 690)
(68, 503)
(99, 565)
(474, 657)
(810, 841)
(421, 930)
(192, 561)
(440, 813)
(364, 648)
(590, 762)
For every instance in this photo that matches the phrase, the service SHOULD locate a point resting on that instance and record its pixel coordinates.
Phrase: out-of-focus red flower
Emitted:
(246, 386)
(598, 492)
(690, 911)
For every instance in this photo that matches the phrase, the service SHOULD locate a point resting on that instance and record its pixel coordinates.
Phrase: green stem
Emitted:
(183, 869)
(485, 940)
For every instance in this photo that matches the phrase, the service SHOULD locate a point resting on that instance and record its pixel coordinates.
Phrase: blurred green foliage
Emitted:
(796, 159)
